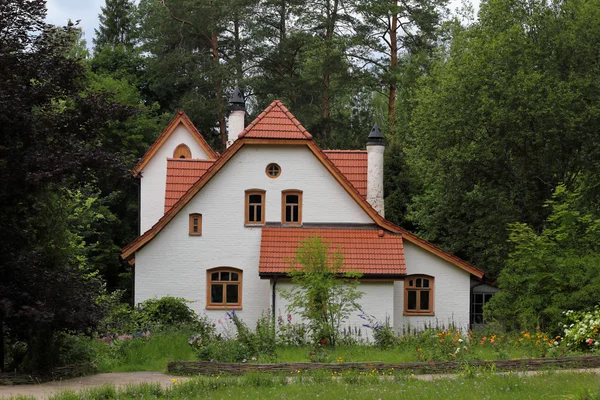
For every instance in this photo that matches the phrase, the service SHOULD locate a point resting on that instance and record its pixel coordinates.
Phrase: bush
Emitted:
(582, 330)
(168, 310)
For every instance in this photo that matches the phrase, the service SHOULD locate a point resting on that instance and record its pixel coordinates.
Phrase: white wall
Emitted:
(154, 176)
(451, 291)
(377, 301)
(175, 264)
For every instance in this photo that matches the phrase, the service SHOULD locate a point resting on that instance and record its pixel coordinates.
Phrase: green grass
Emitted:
(151, 354)
(359, 386)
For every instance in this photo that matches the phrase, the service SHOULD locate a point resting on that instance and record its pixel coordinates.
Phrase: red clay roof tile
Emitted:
(182, 173)
(276, 122)
(368, 251)
(353, 164)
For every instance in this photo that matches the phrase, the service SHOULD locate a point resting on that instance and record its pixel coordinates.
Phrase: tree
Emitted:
(324, 294)
(116, 25)
(390, 30)
(555, 270)
(509, 111)
(50, 141)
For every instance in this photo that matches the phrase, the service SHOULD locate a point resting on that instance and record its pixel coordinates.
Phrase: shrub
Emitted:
(168, 310)
(582, 330)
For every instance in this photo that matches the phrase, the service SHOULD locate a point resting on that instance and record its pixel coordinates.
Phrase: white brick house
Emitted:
(219, 230)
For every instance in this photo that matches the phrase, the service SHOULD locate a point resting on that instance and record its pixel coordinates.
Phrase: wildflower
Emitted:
(590, 341)
(323, 342)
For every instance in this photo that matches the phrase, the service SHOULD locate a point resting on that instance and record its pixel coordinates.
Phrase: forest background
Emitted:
(491, 126)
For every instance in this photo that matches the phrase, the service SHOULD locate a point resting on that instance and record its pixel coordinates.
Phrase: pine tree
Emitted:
(116, 24)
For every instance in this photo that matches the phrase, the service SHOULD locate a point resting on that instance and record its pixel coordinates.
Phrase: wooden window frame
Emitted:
(274, 165)
(247, 205)
(419, 290)
(192, 225)
(284, 194)
(182, 150)
(239, 283)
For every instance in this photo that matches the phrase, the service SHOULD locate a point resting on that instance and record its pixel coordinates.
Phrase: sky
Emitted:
(60, 11)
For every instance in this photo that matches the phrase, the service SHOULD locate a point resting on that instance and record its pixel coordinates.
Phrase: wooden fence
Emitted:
(66, 372)
(529, 364)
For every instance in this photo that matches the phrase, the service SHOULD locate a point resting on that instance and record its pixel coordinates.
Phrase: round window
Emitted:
(273, 170)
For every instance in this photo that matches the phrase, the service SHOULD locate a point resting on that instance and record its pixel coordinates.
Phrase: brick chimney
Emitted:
(375, 149)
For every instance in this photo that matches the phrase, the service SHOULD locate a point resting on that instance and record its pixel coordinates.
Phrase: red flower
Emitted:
(323, 342)
(590, 341)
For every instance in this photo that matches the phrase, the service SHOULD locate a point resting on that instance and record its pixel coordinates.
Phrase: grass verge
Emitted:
(482, 385)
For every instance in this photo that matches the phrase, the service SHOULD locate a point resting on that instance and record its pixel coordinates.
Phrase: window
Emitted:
(255, 207)
(291, 207)
(273, 170)
(195, 224)
(182, 151)
(478, 300)
(224, 288)
(418, 295)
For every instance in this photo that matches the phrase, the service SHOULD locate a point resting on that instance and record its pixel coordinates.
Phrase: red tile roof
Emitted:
(368, 251)
(181, 175)
(353, 164)
(276, 122)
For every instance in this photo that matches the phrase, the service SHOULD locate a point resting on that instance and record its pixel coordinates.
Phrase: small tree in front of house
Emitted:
(324, 294)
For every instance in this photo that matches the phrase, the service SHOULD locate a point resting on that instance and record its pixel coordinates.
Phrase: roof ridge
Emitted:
(344, 151)
(276, 103)
(190, 159)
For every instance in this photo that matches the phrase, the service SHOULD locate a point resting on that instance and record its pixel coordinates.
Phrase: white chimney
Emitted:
(237, 112)
(375, 148)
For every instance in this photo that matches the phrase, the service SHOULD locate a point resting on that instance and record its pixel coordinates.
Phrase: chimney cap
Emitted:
(236, 100)
(375, 137)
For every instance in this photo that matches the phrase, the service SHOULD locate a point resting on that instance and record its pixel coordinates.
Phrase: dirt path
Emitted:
(43, 390)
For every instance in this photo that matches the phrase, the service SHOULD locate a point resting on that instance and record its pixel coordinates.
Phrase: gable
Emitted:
(180, 121)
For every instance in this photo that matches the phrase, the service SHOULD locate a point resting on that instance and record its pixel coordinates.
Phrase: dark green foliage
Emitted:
(117, 25)
(509, 111)
(554, 270)
(151, 314)
(168, 310)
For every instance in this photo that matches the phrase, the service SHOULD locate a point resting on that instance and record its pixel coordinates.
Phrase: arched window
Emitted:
(418, 295)
(182, 151)
(224, 288)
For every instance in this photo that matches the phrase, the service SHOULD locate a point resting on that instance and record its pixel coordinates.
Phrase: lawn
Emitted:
(153, 353)
(469, 385)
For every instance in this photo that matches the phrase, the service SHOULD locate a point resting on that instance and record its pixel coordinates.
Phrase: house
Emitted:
(220, 229)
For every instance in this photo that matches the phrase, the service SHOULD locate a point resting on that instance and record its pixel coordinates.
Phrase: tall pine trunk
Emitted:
(393, 67)
(218, 79)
